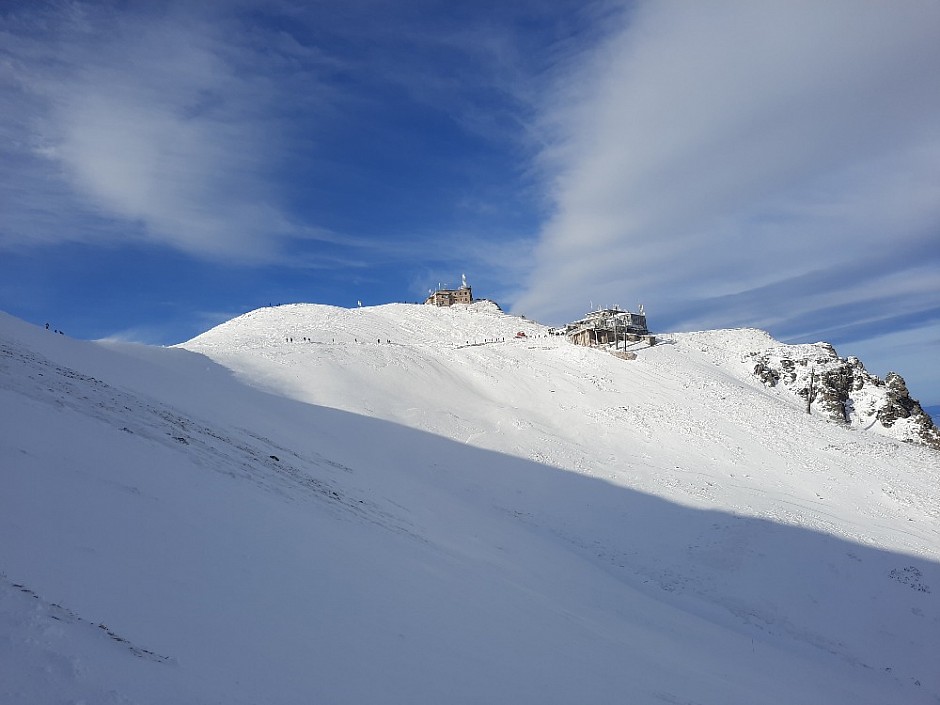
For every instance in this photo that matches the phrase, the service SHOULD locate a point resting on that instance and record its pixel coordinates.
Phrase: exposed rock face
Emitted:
(844, 391)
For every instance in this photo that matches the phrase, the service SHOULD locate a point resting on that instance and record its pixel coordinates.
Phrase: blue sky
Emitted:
(166, 166)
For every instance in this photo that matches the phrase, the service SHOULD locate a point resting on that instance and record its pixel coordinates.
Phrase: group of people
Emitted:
(289, 339)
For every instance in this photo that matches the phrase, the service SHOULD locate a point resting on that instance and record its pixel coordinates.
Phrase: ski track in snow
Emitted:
(53, 611)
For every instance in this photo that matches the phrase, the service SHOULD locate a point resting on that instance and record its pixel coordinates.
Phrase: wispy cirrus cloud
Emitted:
(239, 131)
(157, 124)
(707, 151)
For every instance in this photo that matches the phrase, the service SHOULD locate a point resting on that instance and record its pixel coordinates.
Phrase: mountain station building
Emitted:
(449, 297)
(609, 326)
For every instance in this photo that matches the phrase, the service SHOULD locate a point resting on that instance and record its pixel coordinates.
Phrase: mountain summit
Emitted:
(273, 345)
(413, 504)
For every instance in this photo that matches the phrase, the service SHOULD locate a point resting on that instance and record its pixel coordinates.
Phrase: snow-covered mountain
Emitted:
(411, 504)
(423, 339)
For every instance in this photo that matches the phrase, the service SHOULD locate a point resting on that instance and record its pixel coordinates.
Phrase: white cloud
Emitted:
(712, 150)
(168, 123)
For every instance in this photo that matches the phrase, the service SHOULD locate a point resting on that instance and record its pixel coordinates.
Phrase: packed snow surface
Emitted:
(406, 504)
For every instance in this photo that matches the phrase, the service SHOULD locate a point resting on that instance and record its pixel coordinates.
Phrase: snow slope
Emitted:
(686, 411)
(443, 519)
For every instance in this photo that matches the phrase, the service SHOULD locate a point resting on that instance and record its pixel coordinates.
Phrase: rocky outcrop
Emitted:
(842, 390)
(899, 405)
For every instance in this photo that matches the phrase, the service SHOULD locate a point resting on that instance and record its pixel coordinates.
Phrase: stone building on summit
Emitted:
(449, 297)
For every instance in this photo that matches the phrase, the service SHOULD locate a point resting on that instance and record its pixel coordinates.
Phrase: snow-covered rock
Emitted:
(844, 391)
